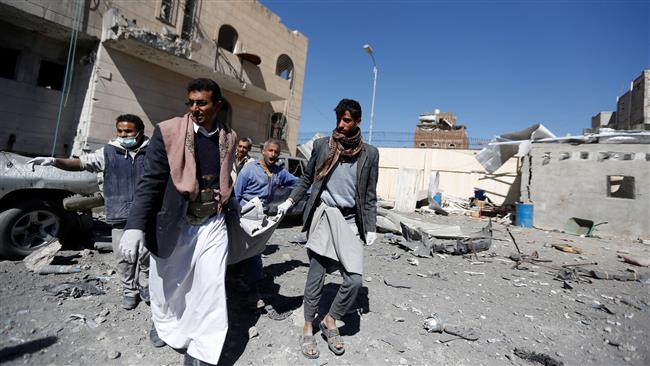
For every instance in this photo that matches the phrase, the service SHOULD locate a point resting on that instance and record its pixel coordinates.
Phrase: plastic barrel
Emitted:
(524, 214)
(438, 199)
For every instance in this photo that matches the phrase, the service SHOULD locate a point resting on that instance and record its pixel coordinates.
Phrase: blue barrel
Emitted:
(524, 214)
(438, 199)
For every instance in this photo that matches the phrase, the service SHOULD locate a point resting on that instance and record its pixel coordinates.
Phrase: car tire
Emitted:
(80, 202)
(28, 226)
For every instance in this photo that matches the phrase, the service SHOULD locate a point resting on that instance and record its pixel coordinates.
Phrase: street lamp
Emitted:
(368, 49)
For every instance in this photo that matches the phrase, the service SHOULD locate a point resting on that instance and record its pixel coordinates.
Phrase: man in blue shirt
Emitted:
(259, 179)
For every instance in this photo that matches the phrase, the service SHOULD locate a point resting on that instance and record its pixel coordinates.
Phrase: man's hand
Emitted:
(43, 160)
(371, 237)
(132, 240)
(285, 206)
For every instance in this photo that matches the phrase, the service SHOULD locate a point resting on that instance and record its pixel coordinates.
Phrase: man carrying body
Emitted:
(122, 162)
(341, 211)
(241, 156)
(178, 212)
(259, 179)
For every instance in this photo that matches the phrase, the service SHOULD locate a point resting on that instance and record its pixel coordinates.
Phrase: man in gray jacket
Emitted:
(340, 213)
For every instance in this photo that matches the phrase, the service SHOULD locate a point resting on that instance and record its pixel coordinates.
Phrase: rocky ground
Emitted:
(601, 322)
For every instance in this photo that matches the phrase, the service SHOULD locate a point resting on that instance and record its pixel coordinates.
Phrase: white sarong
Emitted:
(188, 294)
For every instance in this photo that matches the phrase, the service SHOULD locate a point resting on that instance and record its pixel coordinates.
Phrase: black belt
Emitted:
(347, 211)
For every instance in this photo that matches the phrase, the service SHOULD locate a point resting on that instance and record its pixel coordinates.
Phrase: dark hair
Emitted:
(139, 125)
(349, 105)
(248, 140)
(205, 85)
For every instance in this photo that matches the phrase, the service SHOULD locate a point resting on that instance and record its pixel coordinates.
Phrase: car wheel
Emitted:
(27, 227)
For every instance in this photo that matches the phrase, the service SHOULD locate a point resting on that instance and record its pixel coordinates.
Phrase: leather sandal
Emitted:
(308, 346)
(333, 338)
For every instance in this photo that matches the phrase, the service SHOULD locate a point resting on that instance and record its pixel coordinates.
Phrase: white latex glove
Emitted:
(131, 241)
(371, 237)
(284, 206)
(43, 160)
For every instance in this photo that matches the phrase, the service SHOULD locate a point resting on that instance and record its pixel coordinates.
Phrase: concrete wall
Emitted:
(460, 173)
(602, 119)
(564, 181)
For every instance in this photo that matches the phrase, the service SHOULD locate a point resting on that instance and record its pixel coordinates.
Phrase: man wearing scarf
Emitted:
(178, 214)
(340, 213)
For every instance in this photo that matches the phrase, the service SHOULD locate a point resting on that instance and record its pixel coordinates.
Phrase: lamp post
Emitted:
(368, 49)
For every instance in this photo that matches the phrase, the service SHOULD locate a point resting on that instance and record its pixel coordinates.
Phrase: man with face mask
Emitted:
(341, 212)
(122, 162)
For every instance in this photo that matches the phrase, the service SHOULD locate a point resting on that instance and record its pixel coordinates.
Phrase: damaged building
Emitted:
(70, 67)
(438, 130)
(632, 108)
(601, 184)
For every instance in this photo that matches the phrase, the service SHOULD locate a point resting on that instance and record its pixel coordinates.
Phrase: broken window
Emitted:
(284, 67)
(167, 8)
(278, 126)
(8, 63)
(584, 155)
(620, 186)
(188, 20)
(451, 146)
(227, 38)
(50, 75)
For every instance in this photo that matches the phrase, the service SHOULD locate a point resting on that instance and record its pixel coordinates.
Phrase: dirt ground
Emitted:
(605, 322)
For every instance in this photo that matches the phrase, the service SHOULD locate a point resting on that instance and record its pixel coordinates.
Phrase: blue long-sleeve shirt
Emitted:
(253, 181)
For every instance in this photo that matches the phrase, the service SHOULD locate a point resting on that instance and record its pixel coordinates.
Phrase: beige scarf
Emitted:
(182, 163)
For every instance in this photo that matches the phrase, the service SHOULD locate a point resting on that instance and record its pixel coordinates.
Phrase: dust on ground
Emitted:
(604, 322)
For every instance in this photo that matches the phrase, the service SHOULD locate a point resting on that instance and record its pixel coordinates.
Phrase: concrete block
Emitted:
(407, 181)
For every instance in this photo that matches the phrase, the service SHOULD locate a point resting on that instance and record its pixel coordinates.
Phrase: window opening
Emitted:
(620, 186)
(278, 126)
(284, 67)
(8, 63)
(227, 38)
(188, 19)
(50, 75)
(167, 11)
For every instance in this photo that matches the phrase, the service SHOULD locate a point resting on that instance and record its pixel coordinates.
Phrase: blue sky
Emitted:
(498, 66)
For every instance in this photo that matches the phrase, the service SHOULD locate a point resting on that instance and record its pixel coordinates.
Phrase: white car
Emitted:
(31, 208)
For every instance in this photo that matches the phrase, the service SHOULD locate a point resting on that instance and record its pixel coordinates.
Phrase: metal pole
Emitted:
(375, 71)
(372, 106)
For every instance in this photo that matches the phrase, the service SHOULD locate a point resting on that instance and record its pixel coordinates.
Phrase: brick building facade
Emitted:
(438, 130)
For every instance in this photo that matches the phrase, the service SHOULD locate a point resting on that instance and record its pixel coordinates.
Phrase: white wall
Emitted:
(460, 173)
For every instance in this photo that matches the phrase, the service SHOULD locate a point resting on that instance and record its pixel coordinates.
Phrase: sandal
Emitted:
(308, 347)
(333, 338)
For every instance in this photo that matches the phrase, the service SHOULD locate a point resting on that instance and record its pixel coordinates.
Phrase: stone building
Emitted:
(438, 130)
(632, 108)
(70, 67)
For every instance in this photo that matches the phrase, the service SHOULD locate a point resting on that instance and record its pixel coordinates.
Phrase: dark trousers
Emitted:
(345, 297)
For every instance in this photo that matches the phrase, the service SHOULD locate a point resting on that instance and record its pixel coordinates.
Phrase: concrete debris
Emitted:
(42, 256)
(429, 243)
(123, 28)
(536, 357)
(252, 332)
